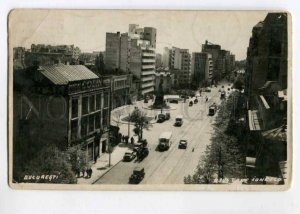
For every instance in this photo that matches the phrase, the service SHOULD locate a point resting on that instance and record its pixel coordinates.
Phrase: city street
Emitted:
(170, 167)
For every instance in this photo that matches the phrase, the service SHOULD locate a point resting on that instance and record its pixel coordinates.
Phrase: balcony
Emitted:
(147, 85)
(147, 78)
(144, 73)
(148, 54)
(148, 60)
(148, 66)
(147, 90)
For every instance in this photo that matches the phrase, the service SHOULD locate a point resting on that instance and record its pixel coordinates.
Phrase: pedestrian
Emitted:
(123, 138)
(126, 139)
(89, 172)
(206, 98)
(132, 140)
(83, 169)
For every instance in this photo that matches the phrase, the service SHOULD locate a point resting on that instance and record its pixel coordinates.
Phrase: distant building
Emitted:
(65, 105)
(120, 89)
(202, 68)
(223, 61)
(158, 61)
(41, 54)
(19, 57)
(134, 52)
(179, 64)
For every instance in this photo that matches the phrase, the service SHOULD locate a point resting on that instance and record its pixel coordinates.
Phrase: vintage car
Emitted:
(182, 144)
(195, 101)
(207, 90)
(191, 103)
(129, 156)
(212, 109)
(223, 95)
(161, 118)
(142, 152)
(137, 176)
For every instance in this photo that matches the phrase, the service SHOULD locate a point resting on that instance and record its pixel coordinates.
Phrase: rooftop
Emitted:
(63, 74)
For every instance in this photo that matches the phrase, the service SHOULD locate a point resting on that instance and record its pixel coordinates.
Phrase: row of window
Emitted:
(90, 103)
(89, 124)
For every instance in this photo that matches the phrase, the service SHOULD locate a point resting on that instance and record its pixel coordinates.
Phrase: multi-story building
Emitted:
(64, 105)
(266, 91)
(134, 52)
(41, 54)
(180, 64)
(120, 86)
(19, 57)
(202, 68)
(214, 50)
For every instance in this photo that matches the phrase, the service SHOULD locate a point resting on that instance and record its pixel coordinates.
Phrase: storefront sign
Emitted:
(84, 85)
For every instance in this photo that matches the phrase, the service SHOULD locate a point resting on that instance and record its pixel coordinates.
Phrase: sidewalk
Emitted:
(101, 166)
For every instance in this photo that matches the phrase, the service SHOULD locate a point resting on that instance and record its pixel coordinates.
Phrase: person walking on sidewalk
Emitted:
(132, 140)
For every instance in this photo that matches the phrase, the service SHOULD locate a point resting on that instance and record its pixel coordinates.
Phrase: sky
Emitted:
(87, 28)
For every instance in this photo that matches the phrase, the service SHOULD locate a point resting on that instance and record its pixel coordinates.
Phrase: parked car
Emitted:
(142, 153)
(182, 144)
(137, 176)
(191, 103)
(220, 90)
(195, 101)
(228, 89)
(161, 118)
(129, 156)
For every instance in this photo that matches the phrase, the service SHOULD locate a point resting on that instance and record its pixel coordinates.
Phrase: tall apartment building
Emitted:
(133, 52)
(202, 68)
(179, 62)
(223, 62)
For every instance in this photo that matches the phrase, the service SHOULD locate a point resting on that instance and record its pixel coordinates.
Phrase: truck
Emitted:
(178, 120)
(164, 141)
(212, 109)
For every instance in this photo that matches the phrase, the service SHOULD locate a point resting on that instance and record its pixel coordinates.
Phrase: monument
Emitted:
(159, 101)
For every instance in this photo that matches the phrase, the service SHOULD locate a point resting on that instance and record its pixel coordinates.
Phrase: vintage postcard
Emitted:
(150, 100)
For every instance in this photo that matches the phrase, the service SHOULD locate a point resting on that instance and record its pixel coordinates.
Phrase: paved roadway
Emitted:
(170, 167)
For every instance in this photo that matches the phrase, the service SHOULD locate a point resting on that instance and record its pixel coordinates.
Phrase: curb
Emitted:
(106, 172)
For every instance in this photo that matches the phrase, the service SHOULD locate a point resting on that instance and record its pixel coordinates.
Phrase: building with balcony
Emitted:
(134, 53)
(202, 68)
(266, 91)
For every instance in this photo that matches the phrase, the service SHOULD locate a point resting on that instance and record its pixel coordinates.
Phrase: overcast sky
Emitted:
(86, 28)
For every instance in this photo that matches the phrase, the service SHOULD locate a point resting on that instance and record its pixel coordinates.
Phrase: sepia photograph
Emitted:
(149, 100)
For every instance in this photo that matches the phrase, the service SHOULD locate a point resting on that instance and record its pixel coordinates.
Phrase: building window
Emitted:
(85, 105)
(106, 98)
(91, 123)
(105, 117)
(98, 101)
(74, 107)
(74, 128)
(92, 103)
(84, 126)
(97, 120)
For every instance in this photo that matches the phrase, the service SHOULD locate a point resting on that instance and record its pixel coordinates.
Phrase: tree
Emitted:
(77, 158)
(140, 120)
(224, 157)
(52, 162)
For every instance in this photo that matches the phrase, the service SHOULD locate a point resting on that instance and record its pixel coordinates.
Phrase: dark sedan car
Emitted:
(182, 144)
